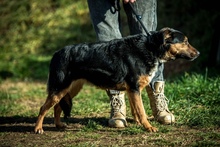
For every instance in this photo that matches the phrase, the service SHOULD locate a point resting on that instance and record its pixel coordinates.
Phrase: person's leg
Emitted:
(158, 101)
(147, 10)
(106, 22)
(105, 19)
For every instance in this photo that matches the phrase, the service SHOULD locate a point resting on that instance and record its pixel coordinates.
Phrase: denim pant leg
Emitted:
(105, 16)
(148, 11)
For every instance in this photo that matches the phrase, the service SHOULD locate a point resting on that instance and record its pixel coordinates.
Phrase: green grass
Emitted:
(32, 33)
(34, 30)
(194, 100)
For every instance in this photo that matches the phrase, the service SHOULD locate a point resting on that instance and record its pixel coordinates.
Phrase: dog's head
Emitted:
(176, 45)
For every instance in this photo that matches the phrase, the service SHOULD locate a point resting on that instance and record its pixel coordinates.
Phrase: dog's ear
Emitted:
(172, 36)
(167, 34)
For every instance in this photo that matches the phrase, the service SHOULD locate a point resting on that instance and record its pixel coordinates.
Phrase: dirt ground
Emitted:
(18, 131)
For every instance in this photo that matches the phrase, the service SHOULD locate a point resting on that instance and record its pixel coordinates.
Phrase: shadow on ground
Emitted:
(26, 124)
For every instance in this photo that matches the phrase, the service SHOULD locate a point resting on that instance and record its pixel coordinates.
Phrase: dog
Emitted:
(126, 64)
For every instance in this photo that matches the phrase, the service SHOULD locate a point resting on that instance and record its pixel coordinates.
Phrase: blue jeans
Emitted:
(105, 16)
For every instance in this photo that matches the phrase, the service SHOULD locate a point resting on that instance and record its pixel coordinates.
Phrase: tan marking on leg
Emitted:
(57, 112)
(144, 80)
(73, 90)
(136, 100)
(75, 87)
(133, 112)
(50, 102)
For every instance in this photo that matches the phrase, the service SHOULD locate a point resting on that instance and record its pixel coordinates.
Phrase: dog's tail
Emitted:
(66, 105)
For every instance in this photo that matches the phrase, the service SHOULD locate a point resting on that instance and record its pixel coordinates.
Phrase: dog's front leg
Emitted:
(138, 111)
(133, 112)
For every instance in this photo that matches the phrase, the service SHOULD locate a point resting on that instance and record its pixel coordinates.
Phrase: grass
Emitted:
(34, 30)
(194, 100)
(197, 97)
(32, 33)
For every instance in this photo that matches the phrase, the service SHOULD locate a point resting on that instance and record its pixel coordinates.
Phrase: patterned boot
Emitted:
(159, 104)
(118, 109)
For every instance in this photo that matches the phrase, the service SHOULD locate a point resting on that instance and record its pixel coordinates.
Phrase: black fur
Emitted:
(127, 64)
(109, 63)
(112, 62)
(66, 105)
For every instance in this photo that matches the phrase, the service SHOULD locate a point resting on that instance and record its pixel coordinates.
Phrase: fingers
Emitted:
(131, 1)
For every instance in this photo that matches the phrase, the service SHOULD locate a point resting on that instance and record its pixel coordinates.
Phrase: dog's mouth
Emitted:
(195, 55)
(190, 57)
(193, 58)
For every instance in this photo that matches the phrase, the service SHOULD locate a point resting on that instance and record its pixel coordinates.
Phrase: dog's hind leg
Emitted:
(52, 99)
(75, 87)
(66, 104)
(138, 110)
(57, 112)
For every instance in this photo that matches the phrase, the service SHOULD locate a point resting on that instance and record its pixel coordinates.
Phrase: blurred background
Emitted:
(31, 31)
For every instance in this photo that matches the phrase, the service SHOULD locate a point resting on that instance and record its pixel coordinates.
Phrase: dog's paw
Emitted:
(60, 126)
(152, 129)
(39, 130)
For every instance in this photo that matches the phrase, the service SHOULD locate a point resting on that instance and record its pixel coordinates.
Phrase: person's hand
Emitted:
(131, 1)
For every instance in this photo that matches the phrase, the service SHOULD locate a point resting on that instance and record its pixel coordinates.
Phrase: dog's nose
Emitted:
(194, 55)
(198, 53)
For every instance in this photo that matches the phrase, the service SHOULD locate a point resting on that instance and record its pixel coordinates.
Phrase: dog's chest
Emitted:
(153, 71)
(145, 79)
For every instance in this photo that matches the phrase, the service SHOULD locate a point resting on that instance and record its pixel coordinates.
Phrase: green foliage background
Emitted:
(32, 30)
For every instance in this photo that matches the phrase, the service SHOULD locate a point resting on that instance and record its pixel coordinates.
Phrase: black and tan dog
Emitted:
(126, 64)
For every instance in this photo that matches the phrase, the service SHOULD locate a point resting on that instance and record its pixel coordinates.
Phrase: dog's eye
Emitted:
(168, 40)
